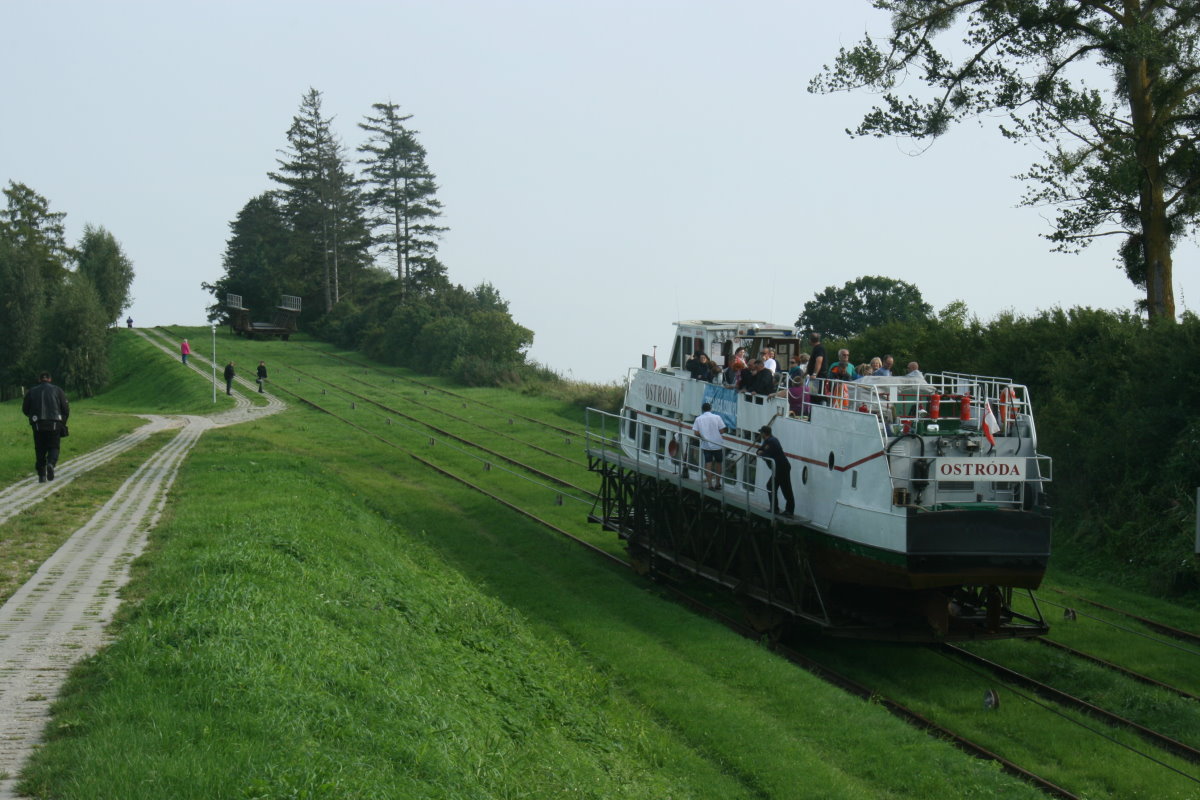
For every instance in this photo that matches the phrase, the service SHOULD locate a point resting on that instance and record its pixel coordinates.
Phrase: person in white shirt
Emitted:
(769, 361)
(709, 426)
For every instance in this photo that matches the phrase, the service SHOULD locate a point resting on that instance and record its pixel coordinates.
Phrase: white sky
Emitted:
(610, 166)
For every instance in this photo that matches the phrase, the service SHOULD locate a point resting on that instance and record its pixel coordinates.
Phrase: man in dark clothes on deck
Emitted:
(47, 408)
(763, 381)
(818, 367)
(781, 472)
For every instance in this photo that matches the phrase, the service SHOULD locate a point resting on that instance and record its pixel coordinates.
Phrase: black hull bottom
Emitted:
(955, 583)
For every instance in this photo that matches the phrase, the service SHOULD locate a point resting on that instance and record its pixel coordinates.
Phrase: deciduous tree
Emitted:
(1111, 90)
(103, 262)
(863, 303)
(75, 350)
(21, 304)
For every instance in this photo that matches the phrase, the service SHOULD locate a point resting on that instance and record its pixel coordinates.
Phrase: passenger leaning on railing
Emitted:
(709, 427)
(798, 369)
(840, 374)
(762, 380)
(699, 367)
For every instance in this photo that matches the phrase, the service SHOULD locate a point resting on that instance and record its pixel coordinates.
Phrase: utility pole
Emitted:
(214, 361)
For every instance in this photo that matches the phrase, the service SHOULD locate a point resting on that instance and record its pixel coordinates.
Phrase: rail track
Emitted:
(1011, 677)
(825, 673)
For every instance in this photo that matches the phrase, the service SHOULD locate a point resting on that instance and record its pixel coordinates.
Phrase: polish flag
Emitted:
(989, 423)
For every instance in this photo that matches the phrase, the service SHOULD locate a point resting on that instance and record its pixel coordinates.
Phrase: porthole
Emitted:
(831, 459)
(804, 475)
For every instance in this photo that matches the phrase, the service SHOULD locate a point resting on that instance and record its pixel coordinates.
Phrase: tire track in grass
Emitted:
(59, 616)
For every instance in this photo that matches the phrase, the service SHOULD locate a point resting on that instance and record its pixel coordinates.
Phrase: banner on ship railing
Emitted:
(724, 403)
(981, 469)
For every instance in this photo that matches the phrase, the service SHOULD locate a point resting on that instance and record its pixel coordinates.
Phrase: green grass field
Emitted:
(320, 616)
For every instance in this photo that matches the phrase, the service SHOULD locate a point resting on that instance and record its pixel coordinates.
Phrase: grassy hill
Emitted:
(319, 615)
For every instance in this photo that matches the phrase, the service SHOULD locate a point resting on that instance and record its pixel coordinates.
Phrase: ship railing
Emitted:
(645, 445)
(851, 396)
(949, 401)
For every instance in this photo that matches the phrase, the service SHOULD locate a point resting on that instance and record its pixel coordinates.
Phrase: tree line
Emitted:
(357, 240)
(56, 301)
(1112, 401)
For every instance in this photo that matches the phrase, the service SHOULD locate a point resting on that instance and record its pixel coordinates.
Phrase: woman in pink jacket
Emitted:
(185, 350)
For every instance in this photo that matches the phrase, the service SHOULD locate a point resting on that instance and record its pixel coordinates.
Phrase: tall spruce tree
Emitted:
(402, 196)
(321, 201)
(110, 271)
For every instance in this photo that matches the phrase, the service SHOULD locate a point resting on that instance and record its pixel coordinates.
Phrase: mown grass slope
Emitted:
(320, 616)
(142, 380)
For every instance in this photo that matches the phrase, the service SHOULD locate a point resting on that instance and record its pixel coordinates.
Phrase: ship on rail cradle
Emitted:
(920, 500)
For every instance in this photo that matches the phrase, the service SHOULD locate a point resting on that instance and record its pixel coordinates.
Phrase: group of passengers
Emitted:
(763, 375)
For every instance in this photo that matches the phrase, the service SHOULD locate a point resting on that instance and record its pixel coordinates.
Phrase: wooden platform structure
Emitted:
(282, 324)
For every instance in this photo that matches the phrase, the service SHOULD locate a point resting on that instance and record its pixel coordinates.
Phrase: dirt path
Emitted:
(59, 616)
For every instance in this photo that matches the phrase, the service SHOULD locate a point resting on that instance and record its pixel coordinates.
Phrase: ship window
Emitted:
(633, 425)
(854, 479)
(645, 438)
(955, 486)
(678, 356)
(831, 459)
(804, 475)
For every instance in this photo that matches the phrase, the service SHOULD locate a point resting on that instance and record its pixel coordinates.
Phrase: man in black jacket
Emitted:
(763, 381)
(47, 408)
(781, 471)
(229, 378)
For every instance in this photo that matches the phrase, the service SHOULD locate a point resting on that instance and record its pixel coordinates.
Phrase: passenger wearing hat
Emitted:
(781, 472)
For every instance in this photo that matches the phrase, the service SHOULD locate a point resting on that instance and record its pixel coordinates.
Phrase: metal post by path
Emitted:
(214, 362)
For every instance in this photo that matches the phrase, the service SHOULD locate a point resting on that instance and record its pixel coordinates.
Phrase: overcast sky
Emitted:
(610, 167)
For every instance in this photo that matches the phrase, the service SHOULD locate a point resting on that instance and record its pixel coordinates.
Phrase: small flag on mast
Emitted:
(989, 424)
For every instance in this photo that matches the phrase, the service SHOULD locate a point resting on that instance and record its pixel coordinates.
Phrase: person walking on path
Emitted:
(47, 408)
(262, 375)
(229, 378)
(129, 322)
(185, 350)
